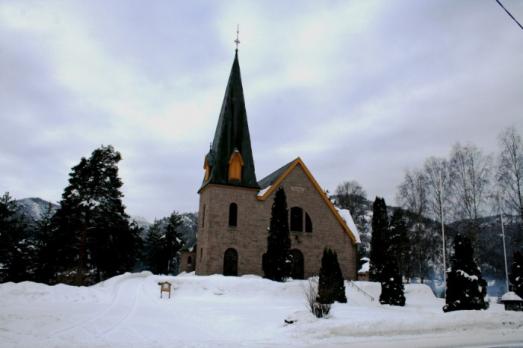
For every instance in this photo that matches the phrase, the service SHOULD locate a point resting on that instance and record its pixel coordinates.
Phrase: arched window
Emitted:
(230, 262)
(308, 223)
(297, 219)
(233, 215)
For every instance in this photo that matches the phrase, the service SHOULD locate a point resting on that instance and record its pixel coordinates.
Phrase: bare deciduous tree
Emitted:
(470, 177)
(350, 195)
(412, 193)
(510, 170)
(437, 174)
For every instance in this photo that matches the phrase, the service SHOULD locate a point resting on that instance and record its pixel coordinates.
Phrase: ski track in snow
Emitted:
(118, 312)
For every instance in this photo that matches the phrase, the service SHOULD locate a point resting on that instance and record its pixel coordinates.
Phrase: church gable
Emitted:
(299, 183)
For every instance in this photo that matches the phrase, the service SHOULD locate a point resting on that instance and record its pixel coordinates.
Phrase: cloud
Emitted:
(359, 90)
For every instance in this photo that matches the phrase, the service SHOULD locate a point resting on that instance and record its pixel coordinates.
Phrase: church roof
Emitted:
(272, 177)
(272, 181)
(232, 134)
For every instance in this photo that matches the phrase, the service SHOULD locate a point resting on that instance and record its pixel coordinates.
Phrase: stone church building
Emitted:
(235, 207)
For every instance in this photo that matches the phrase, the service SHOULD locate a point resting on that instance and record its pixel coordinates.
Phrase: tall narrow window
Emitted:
(296, 219)
(233, 215)
(203, 216)
(308, 223)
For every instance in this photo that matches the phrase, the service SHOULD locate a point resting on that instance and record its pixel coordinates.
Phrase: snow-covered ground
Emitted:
(217, 311)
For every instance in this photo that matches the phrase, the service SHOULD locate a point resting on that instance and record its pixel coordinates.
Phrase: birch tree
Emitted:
(510, 170)
(470, 177)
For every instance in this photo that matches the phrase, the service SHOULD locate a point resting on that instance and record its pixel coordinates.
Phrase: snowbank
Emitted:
(210, 311)
(510, 296)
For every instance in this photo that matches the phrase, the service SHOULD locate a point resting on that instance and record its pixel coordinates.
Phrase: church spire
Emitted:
(237, 41)
(230, 160)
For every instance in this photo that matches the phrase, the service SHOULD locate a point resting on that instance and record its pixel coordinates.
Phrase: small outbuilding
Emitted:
(512, 302)
(363, 272)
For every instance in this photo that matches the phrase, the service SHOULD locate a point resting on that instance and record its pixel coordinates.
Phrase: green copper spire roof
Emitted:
(232, 133)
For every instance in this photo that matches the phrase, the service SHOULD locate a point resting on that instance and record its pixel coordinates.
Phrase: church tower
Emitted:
(229, 186)
(229, 160)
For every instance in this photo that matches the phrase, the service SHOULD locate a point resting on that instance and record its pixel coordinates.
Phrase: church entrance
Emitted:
(230, 262)
(297, 264)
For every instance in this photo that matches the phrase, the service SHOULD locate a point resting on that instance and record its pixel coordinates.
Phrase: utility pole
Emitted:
(504, 249)
(443, 230)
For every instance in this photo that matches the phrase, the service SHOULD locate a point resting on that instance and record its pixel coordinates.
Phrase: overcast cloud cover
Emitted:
(360, 90)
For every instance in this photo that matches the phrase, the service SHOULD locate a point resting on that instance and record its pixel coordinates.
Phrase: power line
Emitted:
(510, 14)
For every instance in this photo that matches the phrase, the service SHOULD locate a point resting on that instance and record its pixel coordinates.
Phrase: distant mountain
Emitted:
(34, 209)
(141, 222)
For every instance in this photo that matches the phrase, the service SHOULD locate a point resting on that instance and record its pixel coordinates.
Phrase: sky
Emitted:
(360, 90)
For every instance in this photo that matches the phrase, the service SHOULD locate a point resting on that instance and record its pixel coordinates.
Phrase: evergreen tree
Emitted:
(153, 254)
(379, 243)
(163, 243)
(391, 285)
(45, 260)
(91, 230)
(276, 261)
(466, 289)
(331, 284)
(14, 243)
(173, 242)
(398, 240)
(516, 276)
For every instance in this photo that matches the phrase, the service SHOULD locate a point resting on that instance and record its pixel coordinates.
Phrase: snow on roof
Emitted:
(262, 192)
(511, 296)
(345, 215)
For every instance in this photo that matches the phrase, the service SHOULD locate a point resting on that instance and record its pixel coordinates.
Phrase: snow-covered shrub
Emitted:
(466, 289)
(391, 286)
(320, 310)
(516, 276)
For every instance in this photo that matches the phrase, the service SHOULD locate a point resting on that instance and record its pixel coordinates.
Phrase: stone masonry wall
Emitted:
(249, 238)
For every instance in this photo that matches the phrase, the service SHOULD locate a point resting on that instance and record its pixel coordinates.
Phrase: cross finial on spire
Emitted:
(237, 41)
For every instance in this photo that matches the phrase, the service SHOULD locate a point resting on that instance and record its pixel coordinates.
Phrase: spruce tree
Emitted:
(92, 232)
(391, 285)
(276, 261)
(378, 244)
(173, 242)
(154, 252)
(331, 285)
(163, 243)
(15, 255)
(516, 275)
(45, 260)
(398, 241)
(466, 289)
